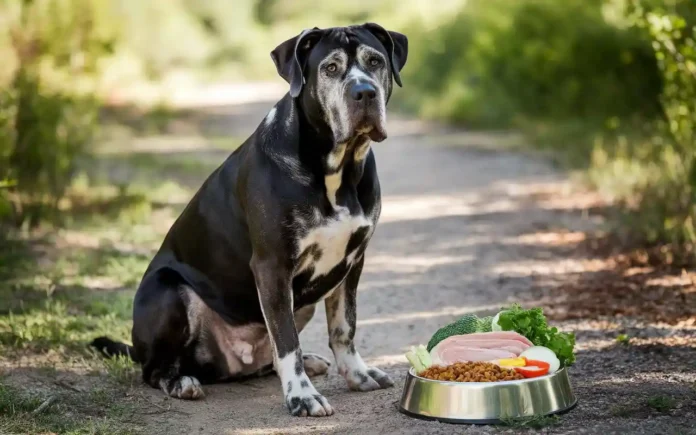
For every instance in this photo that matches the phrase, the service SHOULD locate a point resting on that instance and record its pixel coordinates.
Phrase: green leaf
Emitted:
(532, 324)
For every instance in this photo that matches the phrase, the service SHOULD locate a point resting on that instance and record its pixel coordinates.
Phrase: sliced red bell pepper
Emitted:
(533, 368)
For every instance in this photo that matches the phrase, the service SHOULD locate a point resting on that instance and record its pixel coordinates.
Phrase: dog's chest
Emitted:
(332, 244)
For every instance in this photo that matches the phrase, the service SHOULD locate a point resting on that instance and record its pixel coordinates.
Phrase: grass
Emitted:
(623, 339)
(659, 403)
(69, 414)
(533, 422)
(662, 403)
(54, 327)
(625, 410)
(122, 369)
(47, 324)
(60, 287)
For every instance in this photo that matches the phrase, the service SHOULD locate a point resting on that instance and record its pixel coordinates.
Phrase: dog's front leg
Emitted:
(341, 318)
(275, 294)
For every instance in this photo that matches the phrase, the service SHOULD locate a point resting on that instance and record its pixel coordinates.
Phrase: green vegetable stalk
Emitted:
(419, 358)
(532, 324)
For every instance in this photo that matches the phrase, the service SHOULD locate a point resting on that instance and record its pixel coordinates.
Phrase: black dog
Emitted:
(282, 224)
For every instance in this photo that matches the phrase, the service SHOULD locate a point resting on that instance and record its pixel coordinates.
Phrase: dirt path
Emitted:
(464, 229)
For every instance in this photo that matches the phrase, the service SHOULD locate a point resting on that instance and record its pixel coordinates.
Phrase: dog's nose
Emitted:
(363, 92)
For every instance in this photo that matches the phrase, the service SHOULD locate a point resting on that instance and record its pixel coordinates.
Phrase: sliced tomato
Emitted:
(533, 369)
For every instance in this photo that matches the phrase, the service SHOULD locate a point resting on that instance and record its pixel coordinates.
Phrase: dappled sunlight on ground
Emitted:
(548, 238)
(428, 207)
(444, 312)
(318, 429)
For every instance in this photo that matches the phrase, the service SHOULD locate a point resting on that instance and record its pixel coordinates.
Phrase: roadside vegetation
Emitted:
(603, 86)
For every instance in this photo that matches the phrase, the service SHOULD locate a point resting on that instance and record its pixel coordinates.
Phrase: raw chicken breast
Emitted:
(447, 355)
(504, 335)
(485, 346)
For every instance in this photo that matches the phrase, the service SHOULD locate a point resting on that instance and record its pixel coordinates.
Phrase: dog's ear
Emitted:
(396, 44)
(290, 57)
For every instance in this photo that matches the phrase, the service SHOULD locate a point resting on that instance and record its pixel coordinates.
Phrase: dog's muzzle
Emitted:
(364, 102)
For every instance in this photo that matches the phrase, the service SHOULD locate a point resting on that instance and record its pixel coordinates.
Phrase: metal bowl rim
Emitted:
(412, 373)
(484, 421)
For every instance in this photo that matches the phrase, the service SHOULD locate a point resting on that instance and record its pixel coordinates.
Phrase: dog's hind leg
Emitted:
(161, 335)
(314, 364)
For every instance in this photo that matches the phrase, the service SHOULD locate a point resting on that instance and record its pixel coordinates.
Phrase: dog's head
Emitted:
(343, 76)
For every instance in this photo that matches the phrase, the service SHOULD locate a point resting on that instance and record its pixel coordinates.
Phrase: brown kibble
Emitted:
(471, 372)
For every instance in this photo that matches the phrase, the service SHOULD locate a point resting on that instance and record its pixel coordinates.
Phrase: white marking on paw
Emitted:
(357, 374)
(350, 364)
(315, 365)
(186, 387)
(301, 397)
(292, 381)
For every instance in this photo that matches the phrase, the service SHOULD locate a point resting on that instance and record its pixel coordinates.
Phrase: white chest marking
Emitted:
(331, 239)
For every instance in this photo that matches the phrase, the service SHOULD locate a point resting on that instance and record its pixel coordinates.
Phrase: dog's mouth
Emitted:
(374, 130)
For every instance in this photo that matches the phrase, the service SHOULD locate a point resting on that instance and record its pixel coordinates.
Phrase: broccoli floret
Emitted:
(485, 324)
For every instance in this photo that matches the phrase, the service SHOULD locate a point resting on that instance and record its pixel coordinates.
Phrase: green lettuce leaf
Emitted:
(532, 324)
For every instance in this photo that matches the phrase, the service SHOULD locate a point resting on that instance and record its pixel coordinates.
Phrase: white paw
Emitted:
(315, 365)
(187, 388)
(308, 405)
(301, 398)
(367, 379)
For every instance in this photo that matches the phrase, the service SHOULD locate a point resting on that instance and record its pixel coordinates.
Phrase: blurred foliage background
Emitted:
(606, 86)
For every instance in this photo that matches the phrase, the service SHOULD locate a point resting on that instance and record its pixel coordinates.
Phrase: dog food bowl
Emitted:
(486, 402)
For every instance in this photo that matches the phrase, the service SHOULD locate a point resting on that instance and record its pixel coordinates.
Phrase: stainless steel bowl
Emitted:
(486, 402)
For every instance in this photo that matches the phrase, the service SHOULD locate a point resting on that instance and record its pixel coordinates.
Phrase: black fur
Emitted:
(234, 245)
(109, 348)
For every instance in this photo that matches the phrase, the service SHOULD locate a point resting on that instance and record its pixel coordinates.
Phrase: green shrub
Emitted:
(506, 62)
(667, 206)
(46, 117)
(608, 85)
(51, 131)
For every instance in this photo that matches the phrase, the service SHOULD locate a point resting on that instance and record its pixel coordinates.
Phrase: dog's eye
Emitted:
(375, 61)
(332, 67)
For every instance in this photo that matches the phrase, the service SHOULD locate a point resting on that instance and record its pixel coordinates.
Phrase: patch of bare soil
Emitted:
(625, 285)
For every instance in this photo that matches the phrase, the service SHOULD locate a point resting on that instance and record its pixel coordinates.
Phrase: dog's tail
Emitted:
(110, 348)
